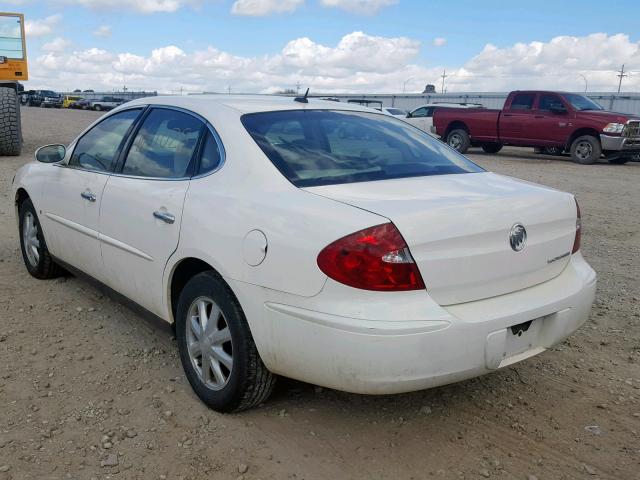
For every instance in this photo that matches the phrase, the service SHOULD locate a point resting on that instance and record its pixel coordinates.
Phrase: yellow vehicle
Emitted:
(13, 68)
(68, 100)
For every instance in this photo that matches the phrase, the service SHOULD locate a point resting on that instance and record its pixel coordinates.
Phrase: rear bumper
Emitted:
(442, 345)
(620, 144)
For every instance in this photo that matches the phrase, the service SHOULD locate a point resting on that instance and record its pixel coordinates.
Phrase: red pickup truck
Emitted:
(559, 120)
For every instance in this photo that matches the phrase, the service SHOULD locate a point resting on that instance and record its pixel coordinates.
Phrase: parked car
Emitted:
(376, 261)
(82, 104)
(541, 119)
(395, 112)
(422, 116)
(70, 100)
(43, 98)
(106, 103)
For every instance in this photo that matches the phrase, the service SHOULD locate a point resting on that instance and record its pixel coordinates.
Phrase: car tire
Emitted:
(10, 130)
(459, 140)
(36, 256)
(97, 108)
(234, 377)
(492, 147)
(586, 150)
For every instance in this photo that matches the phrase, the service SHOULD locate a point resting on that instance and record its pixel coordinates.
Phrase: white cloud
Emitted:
(361, 7)
(103, 31)
(58, 44)
(259, 8)
(139, 6)
(551, 65)
(357, 63)
(42, 27)
(439, 42)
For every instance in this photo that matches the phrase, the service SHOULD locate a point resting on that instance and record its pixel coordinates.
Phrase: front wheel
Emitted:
(459, 140)
(492, 147)
(97, 108)
(218, 354)
(35, 254)
(586, 150)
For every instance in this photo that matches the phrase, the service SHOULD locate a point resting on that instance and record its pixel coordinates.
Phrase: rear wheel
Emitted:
(459, 140)
(97, 108)
(35, 254)
(492, 147)
(10, 131)
(217, 351)
(586, 150)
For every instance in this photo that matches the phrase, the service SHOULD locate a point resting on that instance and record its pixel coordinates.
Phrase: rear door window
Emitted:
(523, 101)
(164, 146)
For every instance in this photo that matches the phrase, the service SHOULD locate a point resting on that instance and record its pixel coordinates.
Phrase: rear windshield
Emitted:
(326, 147)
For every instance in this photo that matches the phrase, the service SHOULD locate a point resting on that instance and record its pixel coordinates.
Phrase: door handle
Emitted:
(88, 196)
(507, 115)
(166, 217)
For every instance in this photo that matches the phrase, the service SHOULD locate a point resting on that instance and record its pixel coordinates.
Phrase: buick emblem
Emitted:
(517, 237)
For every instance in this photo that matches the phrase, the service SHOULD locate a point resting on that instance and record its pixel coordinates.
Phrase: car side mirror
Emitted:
(51, 153)
(557, 108)
(408, 114)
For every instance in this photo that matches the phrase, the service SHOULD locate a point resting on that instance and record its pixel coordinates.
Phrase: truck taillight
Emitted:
(375, 258)
(576, 242)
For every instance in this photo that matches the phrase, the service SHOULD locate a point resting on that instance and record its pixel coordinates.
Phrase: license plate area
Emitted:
(522, 337)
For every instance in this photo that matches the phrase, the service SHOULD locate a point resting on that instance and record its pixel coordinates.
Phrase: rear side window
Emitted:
(211, 155)
(523, 101)
(97, 149)
(164, 145)
(325, 147)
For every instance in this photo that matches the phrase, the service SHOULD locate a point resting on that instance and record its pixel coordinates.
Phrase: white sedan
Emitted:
(320, 241)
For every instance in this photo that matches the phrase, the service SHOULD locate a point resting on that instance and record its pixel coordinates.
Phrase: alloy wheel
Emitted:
(30, 239)
(584, 150)
(209, 343)
(455, 141)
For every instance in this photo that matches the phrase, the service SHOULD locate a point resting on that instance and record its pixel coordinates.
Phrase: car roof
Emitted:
(248, 103)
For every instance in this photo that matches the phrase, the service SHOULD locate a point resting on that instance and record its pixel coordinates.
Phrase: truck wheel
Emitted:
(586, 150)
(459, 140)
(492, 147)
(10, 132)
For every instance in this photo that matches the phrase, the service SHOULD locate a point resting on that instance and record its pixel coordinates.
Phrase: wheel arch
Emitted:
(20, 197)
(579, 133)
(456, 124)
(180, 273)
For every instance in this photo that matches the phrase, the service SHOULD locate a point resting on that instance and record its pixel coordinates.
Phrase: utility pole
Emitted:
(621, 75)
(229, 89)
(298, 87)
(444, 75)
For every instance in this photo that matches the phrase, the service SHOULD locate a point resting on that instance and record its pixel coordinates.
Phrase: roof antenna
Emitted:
(302, 99)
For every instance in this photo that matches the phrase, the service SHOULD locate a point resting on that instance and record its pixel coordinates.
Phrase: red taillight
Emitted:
(576, 242)
(375, 258)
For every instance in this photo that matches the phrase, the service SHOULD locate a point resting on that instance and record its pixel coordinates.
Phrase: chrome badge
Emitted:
(517, 237)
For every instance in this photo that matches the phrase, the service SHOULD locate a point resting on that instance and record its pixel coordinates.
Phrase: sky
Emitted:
(330, 46)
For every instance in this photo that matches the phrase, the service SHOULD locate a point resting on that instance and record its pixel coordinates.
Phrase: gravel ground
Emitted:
(90, 389)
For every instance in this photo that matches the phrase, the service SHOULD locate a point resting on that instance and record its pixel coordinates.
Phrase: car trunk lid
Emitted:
(458, 229)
